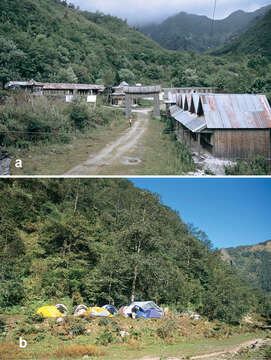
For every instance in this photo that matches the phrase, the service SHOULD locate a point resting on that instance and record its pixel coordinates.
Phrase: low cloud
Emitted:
(145, 11)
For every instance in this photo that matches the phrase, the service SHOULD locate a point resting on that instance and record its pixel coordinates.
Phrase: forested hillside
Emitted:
(252, 262)
(47, 40)
(96, 240)
(50, 41)
(255, 41)
(198, 33)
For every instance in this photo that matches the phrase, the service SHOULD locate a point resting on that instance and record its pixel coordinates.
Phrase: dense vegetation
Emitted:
(97, 240)
(198, 33)
(255, 165)
(24, 121)
(253, 263)
(255, 41)
(51, 41)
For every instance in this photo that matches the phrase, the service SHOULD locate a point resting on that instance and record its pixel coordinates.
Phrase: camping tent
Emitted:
(62, 308)
(153, 314)
(98, 311)
(122, 309)
(80, 310)
(49, 311)
(144, 307)
(111, 309)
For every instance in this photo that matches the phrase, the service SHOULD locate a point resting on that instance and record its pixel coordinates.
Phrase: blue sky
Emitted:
(142, 11)
(232, 212)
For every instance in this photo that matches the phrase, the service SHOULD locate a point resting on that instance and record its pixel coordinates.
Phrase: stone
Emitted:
(124, 333)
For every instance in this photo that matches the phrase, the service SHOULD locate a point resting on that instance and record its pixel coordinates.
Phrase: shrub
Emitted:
(34, 318)
(167, 329)
(103, 321)
(78, 329)
(3, 324)
(106, 337)
(79, 115)
(255, 165)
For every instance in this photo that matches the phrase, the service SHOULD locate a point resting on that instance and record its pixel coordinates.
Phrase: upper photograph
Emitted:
(135, 88)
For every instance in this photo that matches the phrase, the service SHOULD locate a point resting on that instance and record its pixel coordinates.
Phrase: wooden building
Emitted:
(227, 125)
(60, 90)
(117, 96)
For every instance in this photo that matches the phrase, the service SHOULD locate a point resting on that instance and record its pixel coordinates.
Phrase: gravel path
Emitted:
(116, 150)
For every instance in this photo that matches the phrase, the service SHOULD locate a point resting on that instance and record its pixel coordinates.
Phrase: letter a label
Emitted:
(18, 164)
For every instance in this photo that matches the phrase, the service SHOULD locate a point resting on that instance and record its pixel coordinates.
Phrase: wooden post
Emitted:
(128, 102)
(156, 107)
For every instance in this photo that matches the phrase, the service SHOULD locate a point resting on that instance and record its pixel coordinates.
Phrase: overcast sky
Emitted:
(143, 11)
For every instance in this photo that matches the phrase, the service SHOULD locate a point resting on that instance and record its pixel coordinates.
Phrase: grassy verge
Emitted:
(38, 130)
(117, 338)
(256, 165)
(158, 154)
(47, 158)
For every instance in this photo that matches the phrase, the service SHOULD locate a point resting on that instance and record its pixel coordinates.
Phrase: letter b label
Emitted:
(23, 343)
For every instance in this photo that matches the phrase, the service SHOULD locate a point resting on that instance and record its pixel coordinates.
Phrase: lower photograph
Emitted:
(135, 268)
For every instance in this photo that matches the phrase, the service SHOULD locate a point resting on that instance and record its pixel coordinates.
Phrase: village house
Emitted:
(59, 90)
(117, 96)
(171, 94)
(229, 126)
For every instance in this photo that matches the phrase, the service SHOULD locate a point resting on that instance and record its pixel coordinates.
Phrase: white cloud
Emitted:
(141, 11)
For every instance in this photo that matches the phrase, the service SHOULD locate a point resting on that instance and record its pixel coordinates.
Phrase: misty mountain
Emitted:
(198, 33)
(254, 41)
(252, 262)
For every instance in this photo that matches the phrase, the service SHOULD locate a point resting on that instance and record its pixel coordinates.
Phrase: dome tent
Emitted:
(49, 311)
(111, 309)
(98, 311)
(148, 309)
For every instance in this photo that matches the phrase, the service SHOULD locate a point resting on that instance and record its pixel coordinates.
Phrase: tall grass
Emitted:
(75, 351)
(185, 161)
(9, 351)
(27, 121)
(256, 165)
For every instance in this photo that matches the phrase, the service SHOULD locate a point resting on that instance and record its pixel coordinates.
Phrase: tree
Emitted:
(67, 75)
(126, 75)
(10, 60)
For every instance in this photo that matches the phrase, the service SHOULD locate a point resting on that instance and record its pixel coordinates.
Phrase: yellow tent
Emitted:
(97, 311)
(49, 311)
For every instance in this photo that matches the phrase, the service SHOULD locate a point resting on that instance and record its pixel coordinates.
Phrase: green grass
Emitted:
(58, 158)
(157, 152)
(188, 337)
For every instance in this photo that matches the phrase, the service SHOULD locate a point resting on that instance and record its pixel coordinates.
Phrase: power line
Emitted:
(213, 20)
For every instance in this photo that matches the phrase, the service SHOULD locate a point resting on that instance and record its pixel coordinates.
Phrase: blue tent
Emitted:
(111, 309)
(152, 314)
(147, 314)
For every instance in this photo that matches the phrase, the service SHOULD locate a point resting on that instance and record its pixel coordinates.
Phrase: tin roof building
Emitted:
(228, 125)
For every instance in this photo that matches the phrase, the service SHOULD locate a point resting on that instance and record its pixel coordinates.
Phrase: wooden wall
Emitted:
(241, 143)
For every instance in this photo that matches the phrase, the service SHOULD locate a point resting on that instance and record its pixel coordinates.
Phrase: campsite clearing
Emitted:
(121, 338)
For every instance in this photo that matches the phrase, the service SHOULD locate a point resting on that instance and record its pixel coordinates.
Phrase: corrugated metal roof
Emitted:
(57, 86)
(16, 83)
(191, 121)
(62, 86)
(172, 97)
(236, 111)
(142, 89)
(195, 99)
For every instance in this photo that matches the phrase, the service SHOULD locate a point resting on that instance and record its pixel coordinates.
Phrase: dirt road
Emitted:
(256, 343)
(115, 151)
